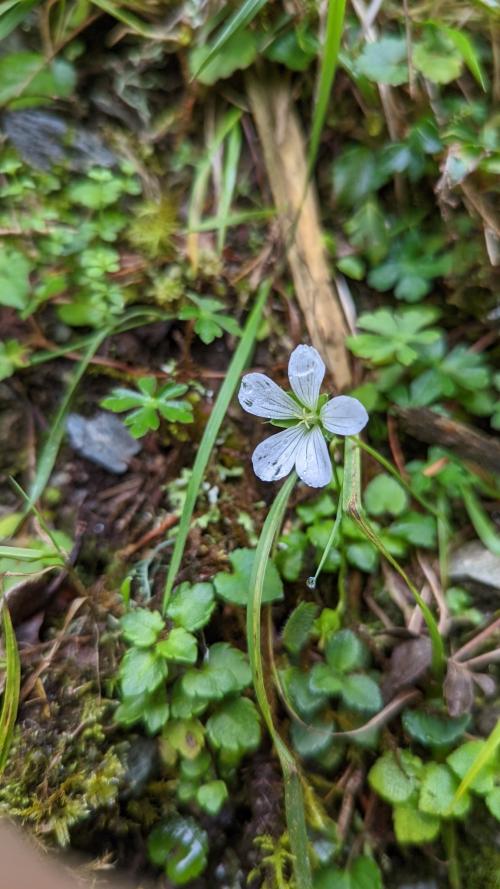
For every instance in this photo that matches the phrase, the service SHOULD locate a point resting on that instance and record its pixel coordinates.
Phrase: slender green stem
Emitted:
(294, 797)
(331, 540)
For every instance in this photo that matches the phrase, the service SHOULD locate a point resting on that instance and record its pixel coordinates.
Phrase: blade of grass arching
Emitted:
(136, 25)
(485, 755)
(241, 17)
(352, 505)
(12, 688)
(329, 58)
(237, 365)
(294, 798)
(480, 521)
(231, 160)
(229, 120)
(212, 223)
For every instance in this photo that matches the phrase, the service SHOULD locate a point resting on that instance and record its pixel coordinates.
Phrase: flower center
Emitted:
(309, 417)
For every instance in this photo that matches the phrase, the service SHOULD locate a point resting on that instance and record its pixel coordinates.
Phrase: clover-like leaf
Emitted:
(150, 403)
(141, 670)
(235, 727)
(235, 587)
(209, 321)
(385, 495)
(226, 671)
(179, 646)
(395, 776)
(191, 605)
(142, 627)
(394, 334)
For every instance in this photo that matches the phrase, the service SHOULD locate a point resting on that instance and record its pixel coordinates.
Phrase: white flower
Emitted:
(301, 445)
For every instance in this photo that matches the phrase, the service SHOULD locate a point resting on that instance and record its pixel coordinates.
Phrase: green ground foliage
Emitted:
(138, 233)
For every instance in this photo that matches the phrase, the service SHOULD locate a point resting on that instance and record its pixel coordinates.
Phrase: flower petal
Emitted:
(275, 457)
(313, 462)
(306, 371)
(344, 415)
(262, 397)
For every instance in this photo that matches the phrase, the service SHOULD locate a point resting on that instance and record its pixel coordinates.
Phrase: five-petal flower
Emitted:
(302, 445)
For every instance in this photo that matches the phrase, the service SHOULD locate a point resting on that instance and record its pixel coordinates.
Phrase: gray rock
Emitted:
(103, 439)
(43, 138)
(475, 566)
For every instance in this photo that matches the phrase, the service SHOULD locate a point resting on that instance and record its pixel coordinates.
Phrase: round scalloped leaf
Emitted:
(179, 646)
(345, 652)
(141, 627)
(235, 727)
(235, 587)
(385, 495)
(191, 605)
(212, 796)
(315, 738)
(141, 671)
(364, 874)
(361, 693)
(462, 759)
(437, 792)
(414, 827)
(395, 776)
(433, 730)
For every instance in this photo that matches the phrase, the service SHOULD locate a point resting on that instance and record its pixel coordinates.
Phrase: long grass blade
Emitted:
(329, 58)
(231, 160)
(238, 363)
(10, 702)
(240, 19)
(481, 521)
(199, 189)
(294, 798)
(485, 755)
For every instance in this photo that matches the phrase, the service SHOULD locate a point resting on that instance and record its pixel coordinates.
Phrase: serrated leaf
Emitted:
(226, 671)
(437, 792)
(235, 727)
(414, 827)
(345, 652)
(235, 587)
(298, 627)
(434, 730)
(395, 776)
(461, 760)
(141, 671)
(191, 605)
(385, 61)
(361, 693)
(179, 646)
(141, 627)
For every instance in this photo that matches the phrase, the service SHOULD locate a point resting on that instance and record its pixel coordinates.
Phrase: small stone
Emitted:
(475, 566)
(103, 440)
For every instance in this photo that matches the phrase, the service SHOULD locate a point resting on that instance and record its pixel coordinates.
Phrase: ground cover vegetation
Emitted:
(210, 679)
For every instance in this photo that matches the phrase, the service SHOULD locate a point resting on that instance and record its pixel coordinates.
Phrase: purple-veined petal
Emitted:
(275, 457)
(344, 415)
(306, 371)
(260, 396)
(313, 462)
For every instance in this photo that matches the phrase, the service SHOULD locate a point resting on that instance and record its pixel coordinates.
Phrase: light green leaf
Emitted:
(141, 671)
(414, 827)
(395, 776)
(235, 587)
(191, 605)
(384, 495)
(212, 796)
(437, 793)
(142, 627)
(179, 646)
(235, 727)
(385, 61)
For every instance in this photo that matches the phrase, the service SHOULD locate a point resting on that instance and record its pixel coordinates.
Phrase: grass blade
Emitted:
(329, 58)
(294, 799)
(231, 160)
(207, 442)
(240, 19)
(239, 217)
(480, 521)
(484, 756)
(12, 688)
(201, 180)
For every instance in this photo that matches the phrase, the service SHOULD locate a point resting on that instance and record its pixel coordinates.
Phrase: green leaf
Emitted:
(329, 58)
(394, 334)
(368, 230)
(321, 507)
(437, 57)
(156, 710)
(345, 652)
(212, 796)
(355, 176)
(239, 53)
(361, 693)
(467, 50)
(235, 727)
(12, 686)
(384, 495)
(142, 627)
(289, 557)
(298, 627)
(461, 760)
(226, 671)
(293, 48)
(416, 528)
(14, 277)
(186, 736)
(437, 793)
(363, 556)
(13, 355)
(385, 61)
(483, 526)
(191, 605)
(302, 698)
(433, 730)
(324, 680)
(312, 740)
(141, 671)
(209, 321)
(395, 776)
(232, 28)
(27, 78)
(180, 846)
(493, 802)
(363, 874)
(235, 587)
(179, 646)
(414, 827)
